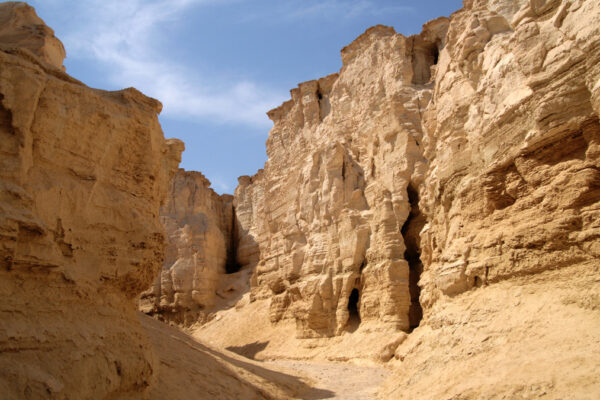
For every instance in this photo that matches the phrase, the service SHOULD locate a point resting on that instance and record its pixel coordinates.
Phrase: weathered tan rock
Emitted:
(511, 200)
(199, 225)
(513, 184)
(21, 28)
(472, 155)
(326, 213)
(451, 176)
(82, 175)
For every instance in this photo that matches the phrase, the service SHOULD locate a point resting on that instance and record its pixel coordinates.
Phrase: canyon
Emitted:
(427, 225)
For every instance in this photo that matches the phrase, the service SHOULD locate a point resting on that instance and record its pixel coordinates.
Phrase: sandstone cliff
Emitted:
(445, 184)
(82, 175)
(511, 199)
(513, 184)
(329, 210)
(473, 143)
(199, 225)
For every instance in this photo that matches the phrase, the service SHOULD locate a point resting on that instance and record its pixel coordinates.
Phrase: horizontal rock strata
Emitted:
(82, 176)
(513, 184)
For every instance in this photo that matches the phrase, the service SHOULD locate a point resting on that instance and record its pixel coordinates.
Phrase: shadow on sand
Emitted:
(248, 350)
(206, 364)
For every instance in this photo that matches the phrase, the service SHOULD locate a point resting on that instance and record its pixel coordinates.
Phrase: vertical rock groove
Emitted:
(232, 265)
(411, 234)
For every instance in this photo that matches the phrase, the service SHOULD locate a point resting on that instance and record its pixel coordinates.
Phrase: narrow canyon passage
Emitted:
(232, 265)
(211, 372)
(426, 224)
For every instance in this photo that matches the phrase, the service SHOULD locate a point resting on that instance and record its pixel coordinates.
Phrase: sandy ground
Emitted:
(530, 337)
(527, 337)
(190, 369)
(246, 330)
(342, 381)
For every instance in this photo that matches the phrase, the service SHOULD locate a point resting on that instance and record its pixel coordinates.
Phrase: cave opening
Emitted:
(412, 240)
(354, 316)
(425, 55)
(231, 264)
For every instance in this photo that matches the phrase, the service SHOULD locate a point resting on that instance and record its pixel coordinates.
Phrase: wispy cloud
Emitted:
(219, 185)
(343, 10)
(124, 36)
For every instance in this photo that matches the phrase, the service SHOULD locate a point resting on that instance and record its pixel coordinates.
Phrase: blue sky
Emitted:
(219, 65)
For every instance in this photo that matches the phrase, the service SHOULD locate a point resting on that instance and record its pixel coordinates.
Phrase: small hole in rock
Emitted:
(436, 55)
(354, 316)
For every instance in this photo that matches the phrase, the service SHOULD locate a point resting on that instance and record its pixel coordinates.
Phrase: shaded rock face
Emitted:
(82, 176)
(199, 226)
(323, 221)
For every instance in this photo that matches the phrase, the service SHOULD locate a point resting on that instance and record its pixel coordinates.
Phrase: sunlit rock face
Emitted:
(21, 27)
(82, 176)
(513, 183)
(468, 152)
(325, 217)
(199, 225)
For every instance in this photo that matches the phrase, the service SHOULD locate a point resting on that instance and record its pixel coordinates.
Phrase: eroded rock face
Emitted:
(326, 214)
(513, 184)
(20, 27)
(199, 225)
(469, 152)
(82, 176)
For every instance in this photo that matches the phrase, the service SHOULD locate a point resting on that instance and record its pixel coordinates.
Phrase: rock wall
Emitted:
(468, 152)
(511, 198)
(20, 26)
(82, 176)
(513, 184)
(199, 226)
(323, 221)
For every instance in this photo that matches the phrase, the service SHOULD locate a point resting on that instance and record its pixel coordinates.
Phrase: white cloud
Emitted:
(329, 9)
(220, 185)
(125, 37)
(347, 9)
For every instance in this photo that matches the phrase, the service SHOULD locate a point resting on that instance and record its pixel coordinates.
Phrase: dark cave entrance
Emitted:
(436, 55)
(425, 54)
(410, 232)
(354, 316)
(232, 265)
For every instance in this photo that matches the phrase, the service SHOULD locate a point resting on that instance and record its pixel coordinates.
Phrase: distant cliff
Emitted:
(199, 225)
